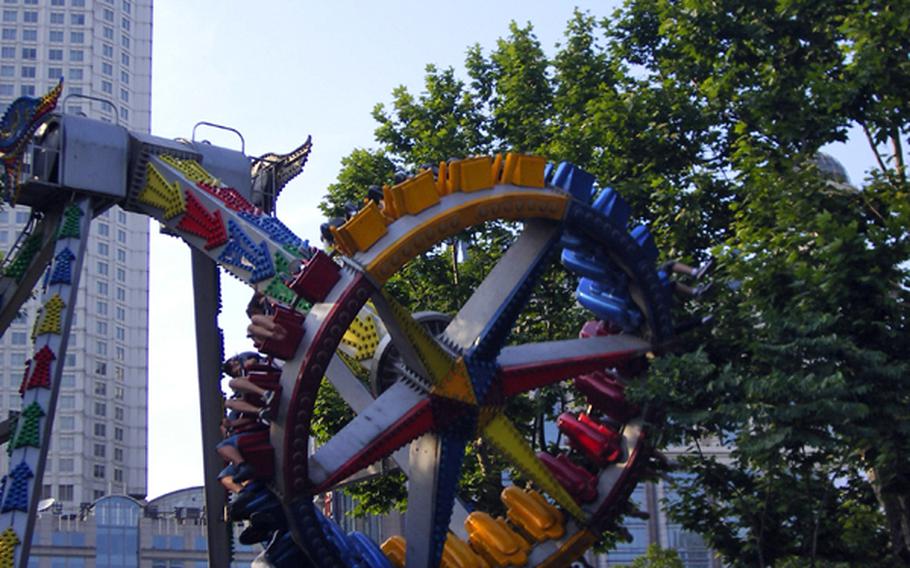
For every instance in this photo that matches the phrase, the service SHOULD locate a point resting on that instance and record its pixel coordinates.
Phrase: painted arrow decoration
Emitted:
(62, 272)
(9, 540)
(69, 229)
(16, 498)
(243, 253)
(41, 370)
(161, 194)
(198, 221)
(50, 319)
(274, 228)
(25, 376)
(29, 431)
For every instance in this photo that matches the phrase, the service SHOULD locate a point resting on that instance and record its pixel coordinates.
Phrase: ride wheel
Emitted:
(455, 378)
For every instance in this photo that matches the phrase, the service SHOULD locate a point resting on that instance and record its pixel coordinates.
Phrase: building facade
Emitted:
(102, 50)
(122, 532)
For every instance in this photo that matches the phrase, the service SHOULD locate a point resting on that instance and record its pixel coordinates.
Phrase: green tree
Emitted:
(657, 557)
(708, 117)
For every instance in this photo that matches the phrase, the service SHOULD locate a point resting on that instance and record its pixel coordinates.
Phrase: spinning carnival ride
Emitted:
(445, 382)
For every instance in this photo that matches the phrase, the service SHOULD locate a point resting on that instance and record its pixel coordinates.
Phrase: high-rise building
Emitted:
(102, 49)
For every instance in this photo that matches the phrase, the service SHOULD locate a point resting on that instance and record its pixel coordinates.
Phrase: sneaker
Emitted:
(702, 290)
(705, 268)
(229, 471)
(244, 472)
(253, 534)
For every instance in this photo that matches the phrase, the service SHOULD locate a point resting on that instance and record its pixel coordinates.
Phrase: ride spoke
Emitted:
(434, 470)
(394, 419)
(484, 322)
(505, 436)
(533, 365)
(419, 349)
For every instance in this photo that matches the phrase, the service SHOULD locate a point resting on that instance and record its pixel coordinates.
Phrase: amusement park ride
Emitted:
(445, 383)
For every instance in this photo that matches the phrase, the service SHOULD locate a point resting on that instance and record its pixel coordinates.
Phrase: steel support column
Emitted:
(207, 289)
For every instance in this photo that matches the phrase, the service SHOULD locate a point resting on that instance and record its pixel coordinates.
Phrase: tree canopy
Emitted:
(709, 117)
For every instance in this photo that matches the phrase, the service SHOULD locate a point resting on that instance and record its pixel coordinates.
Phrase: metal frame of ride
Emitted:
(450, 387)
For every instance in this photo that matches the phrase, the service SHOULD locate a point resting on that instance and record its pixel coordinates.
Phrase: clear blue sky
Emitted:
(278, 71)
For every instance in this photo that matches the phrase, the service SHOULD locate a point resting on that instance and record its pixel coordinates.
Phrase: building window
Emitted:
(10, 15)
(121, 255)
(77, 37)
(77, 19)
(125, 59)
(76, 55)
(57, 18)
(76, 74)
(118, 454)
(107, 68)
(30, 17)
(118, 434)
(65, 465)
(30, 35)
(67, 443)
(67, 423)
(121, 314)
(56, 36)
(70, 360)
(67, 402)
(108, 33)
(102, 268)
(78, 3)
(98, 471)
(19, 338)
(118, 373)
(58, 2)
(17, 359)
(55, 55)
(29, 53)
(65, 492)
(121, 275)
(7, 52)
(126, 6)
(9, 34)
(100, 430)
(100, 450)
(118, 393)
(118, 413)
(125, 41)
(101, 368)
(103, 249)
(28, 72)
(118, 475)
(68, 380)
(107, 87)
(108, 15)
(121, 236)
(124, 95)
(125, 23)
(121, 296)
(107, 50)
(7, 71)
(101, 327)
(120, 353)
(6, 90)
(102, 288)
(101, 308)
(100, 409)
(27, 90)
(100, 388)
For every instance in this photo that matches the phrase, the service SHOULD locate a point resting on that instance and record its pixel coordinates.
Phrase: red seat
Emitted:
(579, 482)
